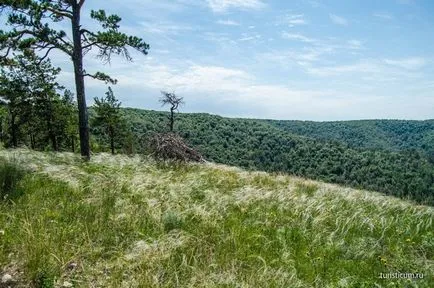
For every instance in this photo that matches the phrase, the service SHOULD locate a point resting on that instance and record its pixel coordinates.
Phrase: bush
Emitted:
(171, 221)
(172, 147)
(10, 176)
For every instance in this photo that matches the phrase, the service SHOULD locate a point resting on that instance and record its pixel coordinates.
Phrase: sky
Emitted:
(296, 59)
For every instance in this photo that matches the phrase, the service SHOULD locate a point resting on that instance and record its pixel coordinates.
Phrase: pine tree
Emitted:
(108, 117)
(33, 27)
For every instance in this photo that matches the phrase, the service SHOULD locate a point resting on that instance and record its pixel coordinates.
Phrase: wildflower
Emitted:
(382, 260)
(2, 232)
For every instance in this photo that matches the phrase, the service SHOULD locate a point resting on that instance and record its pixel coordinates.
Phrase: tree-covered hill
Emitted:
(268, 146)
(392, 135)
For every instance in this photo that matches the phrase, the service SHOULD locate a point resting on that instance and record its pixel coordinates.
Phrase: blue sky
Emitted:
(301, 59)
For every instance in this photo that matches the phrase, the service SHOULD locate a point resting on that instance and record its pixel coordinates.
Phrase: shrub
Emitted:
(10, 176)
(43, 280)
(171, 221)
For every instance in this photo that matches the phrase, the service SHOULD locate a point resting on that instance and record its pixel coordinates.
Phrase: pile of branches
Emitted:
(169, 146)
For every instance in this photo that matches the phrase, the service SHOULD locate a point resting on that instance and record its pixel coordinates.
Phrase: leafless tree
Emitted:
(174, 102)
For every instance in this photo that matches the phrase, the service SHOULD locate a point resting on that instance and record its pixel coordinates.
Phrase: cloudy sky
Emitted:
(298, 59)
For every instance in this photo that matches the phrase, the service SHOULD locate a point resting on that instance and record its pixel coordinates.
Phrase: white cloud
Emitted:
(289, 58)
(249, 38)
(222, 39)
(338, 20)
(318, 78)
(237, 93)
(295, 19)
(297, 37)
(290, 20)
(413, 63)
(315, 50)
(228, 88)
(384, 16)
(314, 4)
(219, 6)
(355, 44)
(228, 22)
(232, 87)
(163, 28)
(360, 67)
(198, 78)
(374, 69)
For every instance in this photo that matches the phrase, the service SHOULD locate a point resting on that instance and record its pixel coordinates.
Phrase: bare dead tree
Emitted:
(174, 102)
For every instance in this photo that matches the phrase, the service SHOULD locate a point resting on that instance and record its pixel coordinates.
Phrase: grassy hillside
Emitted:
(259, 145)
(132, 222)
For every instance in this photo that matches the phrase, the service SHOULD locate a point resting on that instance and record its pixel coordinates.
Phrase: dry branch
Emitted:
(172, 147)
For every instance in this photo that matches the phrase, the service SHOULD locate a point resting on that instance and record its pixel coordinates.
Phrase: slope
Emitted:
(131, 222)
(392, 135)
(258, 145)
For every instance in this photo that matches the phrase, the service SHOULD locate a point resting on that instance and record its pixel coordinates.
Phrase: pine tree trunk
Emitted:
(54, 142)
(32, 142)
(112, 140)
(77, 58)
(14, 131)
(171, 119)
(51, 133)
(72, 144)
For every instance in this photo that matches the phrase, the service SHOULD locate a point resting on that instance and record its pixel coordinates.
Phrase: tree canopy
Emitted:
(32, 28)
(107, 117)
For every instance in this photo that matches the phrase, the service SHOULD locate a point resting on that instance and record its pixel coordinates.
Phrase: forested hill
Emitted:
(273, 146)
(392, 135)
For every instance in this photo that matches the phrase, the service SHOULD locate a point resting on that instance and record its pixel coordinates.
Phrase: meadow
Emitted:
(120, 221)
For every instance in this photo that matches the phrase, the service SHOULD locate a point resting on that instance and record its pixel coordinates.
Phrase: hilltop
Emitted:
(393, 157)
(121, 221)
(393, 135)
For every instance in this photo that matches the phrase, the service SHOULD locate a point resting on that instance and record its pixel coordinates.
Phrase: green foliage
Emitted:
(394, 135)
(111, 41)
(107, 121)
(34, 112)
(11, 175)
(33, 27)
(31, 17)
(257, 144)
(43, 280)
(3, 121)
(171, 221)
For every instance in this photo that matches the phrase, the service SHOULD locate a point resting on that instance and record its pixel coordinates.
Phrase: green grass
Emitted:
(10, 176)
(131, 222)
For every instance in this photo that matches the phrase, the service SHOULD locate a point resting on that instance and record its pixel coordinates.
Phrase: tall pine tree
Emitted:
(108, 118)
(34, 26)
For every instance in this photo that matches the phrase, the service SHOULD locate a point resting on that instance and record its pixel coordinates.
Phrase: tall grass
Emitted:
(11, 173)
(131, 222)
